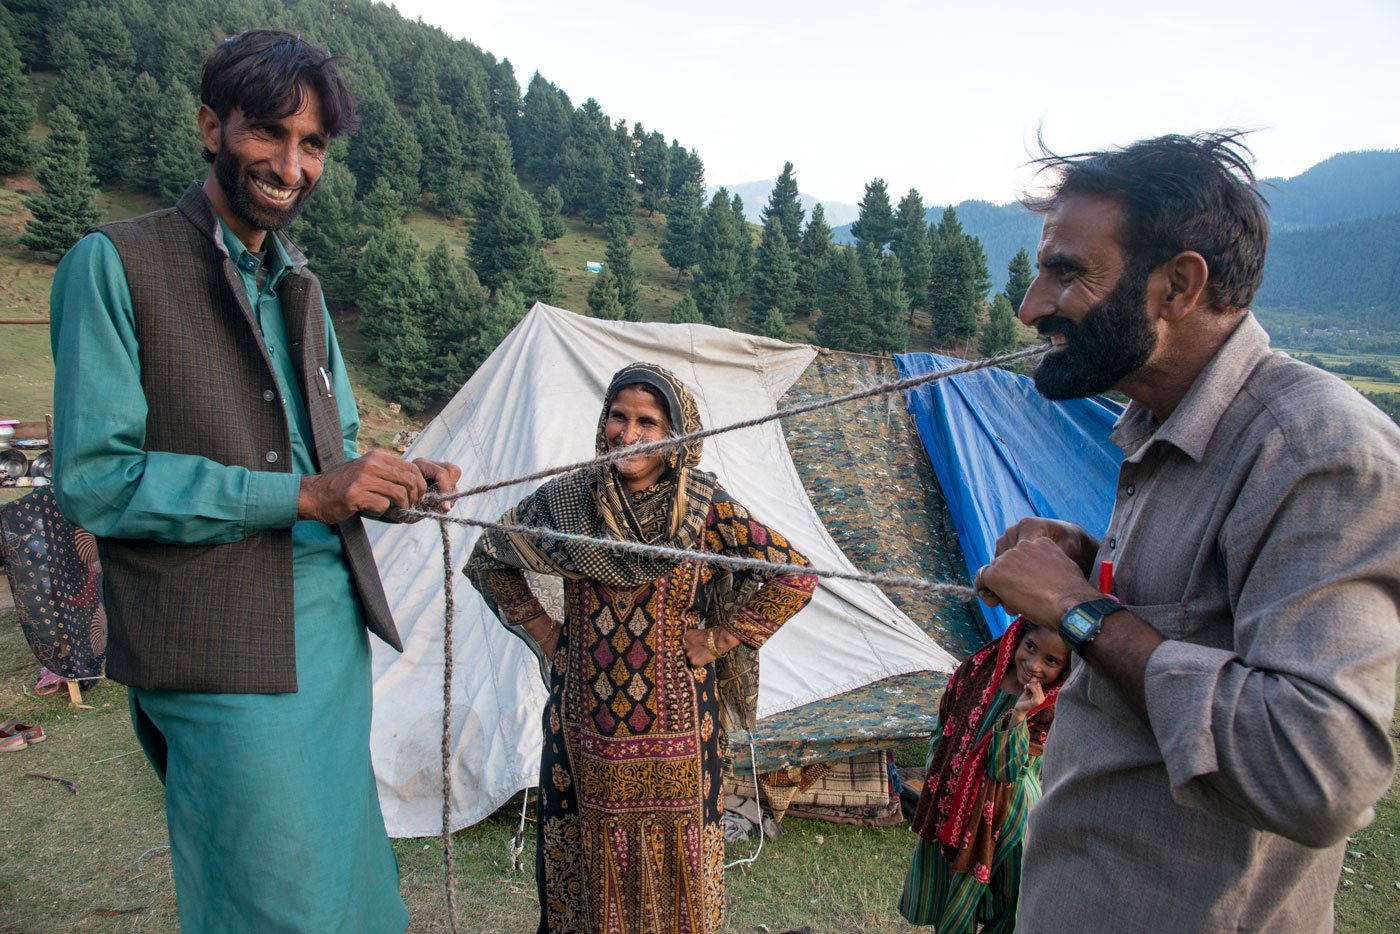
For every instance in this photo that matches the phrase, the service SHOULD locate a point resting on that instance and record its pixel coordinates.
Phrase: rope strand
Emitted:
(732, 562)
(449, 613)
(667, 444)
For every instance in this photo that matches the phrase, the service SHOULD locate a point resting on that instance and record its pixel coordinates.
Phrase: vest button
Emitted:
(270, 457)
(269, 395)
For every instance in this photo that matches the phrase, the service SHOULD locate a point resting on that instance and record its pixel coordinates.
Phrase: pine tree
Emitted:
(443, 168)
(653, 172)
(544, 126)
(392, 286)
(745, 243)
(980, 276)
(619, 261)
(785, 203)
(875, 225)
(178, 162)
(718, 279)
(680, 247)
(586, 163)
(621, 202)
(911, 245)
(92, 94)
(686, 311)
(539, 283)
(451, 320)
(603, 298)
(506, 238)
(953, 300)
(845, 322)
(409, 366)
(329, 231)
(814, 258)
(64, 209)
(686, 166)
(105, 38)
(550, 204)
(16, 110)
(774, 325)
(998, 334)
(889, 305)
(502, 315)
(385, 147)
(1018, 278)
(142, 115)
(504, 90)
(775, 276)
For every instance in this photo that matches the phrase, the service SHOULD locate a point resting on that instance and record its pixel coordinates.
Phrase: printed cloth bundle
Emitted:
(57, 585)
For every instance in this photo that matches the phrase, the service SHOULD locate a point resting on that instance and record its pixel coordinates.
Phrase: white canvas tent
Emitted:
(534, 404)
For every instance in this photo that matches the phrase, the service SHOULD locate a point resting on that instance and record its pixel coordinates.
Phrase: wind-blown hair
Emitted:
(1178, 193)
(267, 73)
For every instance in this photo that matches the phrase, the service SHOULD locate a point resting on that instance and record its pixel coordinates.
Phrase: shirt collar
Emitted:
(279, 263)
(1192, 425)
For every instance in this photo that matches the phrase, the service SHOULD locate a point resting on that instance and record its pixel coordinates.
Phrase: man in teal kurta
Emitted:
(271, 804)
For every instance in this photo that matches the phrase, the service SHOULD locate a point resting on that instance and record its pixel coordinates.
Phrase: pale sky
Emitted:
(946, 95)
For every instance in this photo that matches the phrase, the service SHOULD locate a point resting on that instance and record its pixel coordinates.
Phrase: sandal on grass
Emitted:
(32, 735)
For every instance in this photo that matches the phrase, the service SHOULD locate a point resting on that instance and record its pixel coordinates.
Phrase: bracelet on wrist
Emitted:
(710, 643)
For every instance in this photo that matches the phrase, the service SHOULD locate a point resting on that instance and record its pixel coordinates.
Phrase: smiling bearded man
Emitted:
(1094, 354)
(1228, 727)
(206, 434)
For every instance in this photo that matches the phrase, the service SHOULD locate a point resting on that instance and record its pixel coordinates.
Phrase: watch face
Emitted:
(1079, 623)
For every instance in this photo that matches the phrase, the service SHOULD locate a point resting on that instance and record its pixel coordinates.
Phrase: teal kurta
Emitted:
(956, 902)
(270, 798)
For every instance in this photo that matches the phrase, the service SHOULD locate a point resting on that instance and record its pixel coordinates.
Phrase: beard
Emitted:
(1112, 340)
(237, 186)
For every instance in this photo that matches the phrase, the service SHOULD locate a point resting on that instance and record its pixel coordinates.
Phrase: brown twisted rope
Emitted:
(449, 614)
(667, 444)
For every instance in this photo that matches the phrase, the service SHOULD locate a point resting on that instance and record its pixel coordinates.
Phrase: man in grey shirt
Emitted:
(1230, 726)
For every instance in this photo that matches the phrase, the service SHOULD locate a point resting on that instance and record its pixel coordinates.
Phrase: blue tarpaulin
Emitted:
(1002, 452)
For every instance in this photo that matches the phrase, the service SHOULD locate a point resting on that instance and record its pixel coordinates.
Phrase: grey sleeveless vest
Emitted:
(219, 617)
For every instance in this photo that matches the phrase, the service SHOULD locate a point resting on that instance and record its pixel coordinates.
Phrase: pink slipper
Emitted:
(48, 682)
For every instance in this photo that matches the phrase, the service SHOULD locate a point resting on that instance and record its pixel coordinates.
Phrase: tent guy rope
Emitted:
(667, 444)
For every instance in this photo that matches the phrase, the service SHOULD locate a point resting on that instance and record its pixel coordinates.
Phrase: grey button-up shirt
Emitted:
(1258, 530)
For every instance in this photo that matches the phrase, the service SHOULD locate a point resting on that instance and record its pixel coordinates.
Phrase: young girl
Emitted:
(983, 777)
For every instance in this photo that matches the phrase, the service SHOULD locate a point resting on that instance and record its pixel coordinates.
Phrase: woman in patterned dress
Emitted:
(983, 777)
(628, 834)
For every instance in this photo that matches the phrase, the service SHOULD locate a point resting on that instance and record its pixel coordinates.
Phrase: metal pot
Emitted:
(42, 466)
(13, 464)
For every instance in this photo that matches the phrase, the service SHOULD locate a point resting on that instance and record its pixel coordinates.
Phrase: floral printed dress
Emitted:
(628, 836)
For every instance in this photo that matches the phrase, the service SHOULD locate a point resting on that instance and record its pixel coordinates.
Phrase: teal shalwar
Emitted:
(270, 798)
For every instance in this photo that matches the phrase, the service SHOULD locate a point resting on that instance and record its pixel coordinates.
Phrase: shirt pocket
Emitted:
(1177, 621)
(1173, 621)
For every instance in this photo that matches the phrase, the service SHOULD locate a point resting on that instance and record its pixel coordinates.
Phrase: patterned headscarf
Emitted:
(594, 502)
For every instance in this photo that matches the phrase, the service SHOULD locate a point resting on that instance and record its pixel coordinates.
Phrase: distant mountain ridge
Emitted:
(1334, 249)
(1346, 187)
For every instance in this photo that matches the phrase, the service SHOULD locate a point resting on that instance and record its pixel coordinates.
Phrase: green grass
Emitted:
(26, 368)
(70, 862)
(658, 290)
